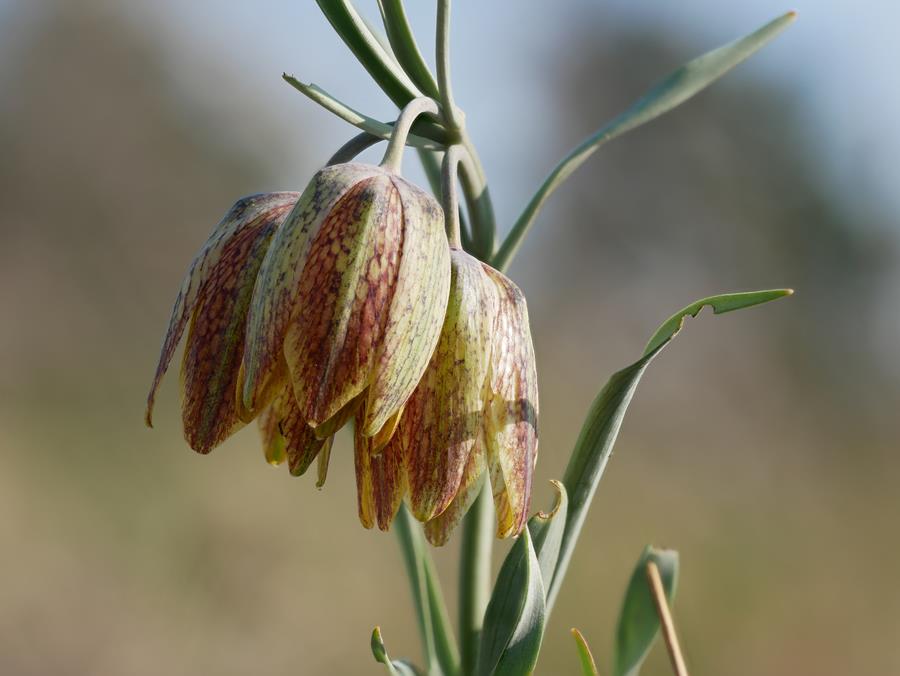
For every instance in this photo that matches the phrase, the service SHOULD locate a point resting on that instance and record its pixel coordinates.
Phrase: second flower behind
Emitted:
(475, 410)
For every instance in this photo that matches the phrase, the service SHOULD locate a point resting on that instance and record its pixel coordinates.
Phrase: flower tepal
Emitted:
(475, 409)
(213, 300)
(349, 301)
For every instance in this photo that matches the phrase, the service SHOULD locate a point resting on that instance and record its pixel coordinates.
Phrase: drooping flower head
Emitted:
(307, 308)
(349, 300)
(213, 300)
(474, 410)
(345, 302)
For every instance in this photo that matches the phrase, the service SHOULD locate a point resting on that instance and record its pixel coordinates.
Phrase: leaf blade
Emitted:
(638, 624)
(349, 25)
(588, 666)
(405, 48)
(434, 141)
(514, 620)
(604, 420)
(720, 304)
(672, 91)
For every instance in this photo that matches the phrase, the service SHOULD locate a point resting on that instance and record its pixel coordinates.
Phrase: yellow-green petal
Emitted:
(444, 417)
(380, 479)
(417, 307)
(247, 212)
(439, 529)
(276, 299)
(346, 289)
(215, 342)
(512, 410)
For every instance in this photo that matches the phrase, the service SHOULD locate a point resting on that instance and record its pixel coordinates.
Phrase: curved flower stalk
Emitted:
(475, 409)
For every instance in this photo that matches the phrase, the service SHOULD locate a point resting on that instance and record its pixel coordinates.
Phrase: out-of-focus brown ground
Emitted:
(760, 445)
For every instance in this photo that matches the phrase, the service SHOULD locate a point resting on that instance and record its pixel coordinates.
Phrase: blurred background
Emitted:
(761, 445)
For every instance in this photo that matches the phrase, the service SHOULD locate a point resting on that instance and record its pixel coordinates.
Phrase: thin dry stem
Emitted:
(665, 619)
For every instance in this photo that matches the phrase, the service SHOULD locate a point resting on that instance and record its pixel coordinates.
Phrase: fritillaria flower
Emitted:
(307, 309)
(474, 410)
(214, 300)
(348, 303)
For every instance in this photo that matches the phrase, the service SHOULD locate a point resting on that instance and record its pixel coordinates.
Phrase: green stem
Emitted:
(438, 641)
(478, 202)
(444, 639)
(393, 156)
(451, 113)
(431, 165)
(449, 194)
(475, 576)
(358, 144)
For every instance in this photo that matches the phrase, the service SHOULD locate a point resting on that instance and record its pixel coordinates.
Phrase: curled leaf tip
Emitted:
(547, 516)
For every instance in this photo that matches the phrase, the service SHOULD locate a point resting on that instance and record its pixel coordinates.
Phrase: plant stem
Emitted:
(478, 202)
(393, 156)
(449, 194)
(444, 638)
(665, 619)
(475, 576)
(451, 114)
(439, 644)
(347, 152)
(431, 164)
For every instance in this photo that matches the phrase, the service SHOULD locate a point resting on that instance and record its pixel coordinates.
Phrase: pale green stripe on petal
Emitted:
(512, 411)
(417, 308)
(275, 298)
(244, 212)
(346, 286)
(444, 417)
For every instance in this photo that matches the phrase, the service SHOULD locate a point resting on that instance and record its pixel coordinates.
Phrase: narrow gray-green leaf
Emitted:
(547, 533)
(674, 90)
(604, 420)
(514, 620)
(383, 130)
(720, 304)
(353, 30)
(405, 48)
(638, 620)
(588, 665)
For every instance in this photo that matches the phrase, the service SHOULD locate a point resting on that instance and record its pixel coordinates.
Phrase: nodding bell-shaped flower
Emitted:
(214, 300)
(347, 307)
(474, 410)
(307, 310)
